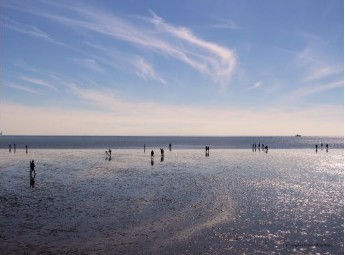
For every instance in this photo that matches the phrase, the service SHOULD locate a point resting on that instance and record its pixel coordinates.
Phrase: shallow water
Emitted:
(234, 201)
(178, 142)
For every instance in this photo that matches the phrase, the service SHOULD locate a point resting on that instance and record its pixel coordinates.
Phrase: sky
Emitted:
(214, 68)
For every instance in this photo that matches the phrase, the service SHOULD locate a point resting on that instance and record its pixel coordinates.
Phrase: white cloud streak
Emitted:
(145, 70)
(23, 88)
(90, 64)
(314, 89)
(210, 59)
(30, 30)
(39, 82)
(225, 24)
(256, 85)
(323, 72)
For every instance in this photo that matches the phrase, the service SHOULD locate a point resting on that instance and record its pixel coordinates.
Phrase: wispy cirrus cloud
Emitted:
(39, 82)
(23, 88)
(323, 72)
(315, 62)
(146, 70)
(256, 85)
(207, 57)
(151, 33)
(225, 24)
(30, 30)
(90, 64)
(314, 89)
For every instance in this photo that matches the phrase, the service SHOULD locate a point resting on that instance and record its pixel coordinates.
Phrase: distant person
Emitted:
(266, 148)
(262, 146)
(32, 167)
(253, 147)
(316, 147)
(169, 147)
(26, 149)
(152, 153)
(9, 147)
(108, 153)
(162, 152)
(144, 148)
(327, 147)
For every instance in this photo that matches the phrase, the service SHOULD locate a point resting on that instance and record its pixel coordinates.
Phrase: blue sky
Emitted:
(172, 67)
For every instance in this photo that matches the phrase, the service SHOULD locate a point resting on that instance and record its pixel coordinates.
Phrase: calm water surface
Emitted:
(234, 201)
(178, 142)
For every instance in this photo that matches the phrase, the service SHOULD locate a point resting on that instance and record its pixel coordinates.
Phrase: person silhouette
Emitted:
(32, 167)
(327, 147)
(144, 148)
(26, 149)
(316, 147)
(9, 147)
(207, 151)
(152, 153)
(169, 147)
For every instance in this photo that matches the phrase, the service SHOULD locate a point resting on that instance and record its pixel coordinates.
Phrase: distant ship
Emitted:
(298, 135)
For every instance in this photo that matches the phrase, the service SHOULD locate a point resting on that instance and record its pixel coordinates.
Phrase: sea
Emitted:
(179, 142)
(288, 199)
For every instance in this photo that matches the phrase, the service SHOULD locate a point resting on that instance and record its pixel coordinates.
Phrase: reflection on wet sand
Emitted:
(233, 202)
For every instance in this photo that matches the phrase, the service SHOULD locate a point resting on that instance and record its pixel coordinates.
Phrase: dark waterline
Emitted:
(178, 142)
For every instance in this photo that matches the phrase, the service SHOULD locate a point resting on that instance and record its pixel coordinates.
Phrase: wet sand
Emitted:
(232, 202)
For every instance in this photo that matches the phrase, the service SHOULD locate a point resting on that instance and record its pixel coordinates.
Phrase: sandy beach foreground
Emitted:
(232, 202)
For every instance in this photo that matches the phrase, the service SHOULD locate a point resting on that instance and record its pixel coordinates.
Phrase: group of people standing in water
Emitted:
(15, 148)
(262, 146)
(316, 147)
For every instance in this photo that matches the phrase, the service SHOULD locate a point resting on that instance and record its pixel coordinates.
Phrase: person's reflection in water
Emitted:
(152, 162)
(108, 153)
(32, 180)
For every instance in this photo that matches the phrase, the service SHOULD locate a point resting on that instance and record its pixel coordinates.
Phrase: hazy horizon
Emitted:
(209, 68)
